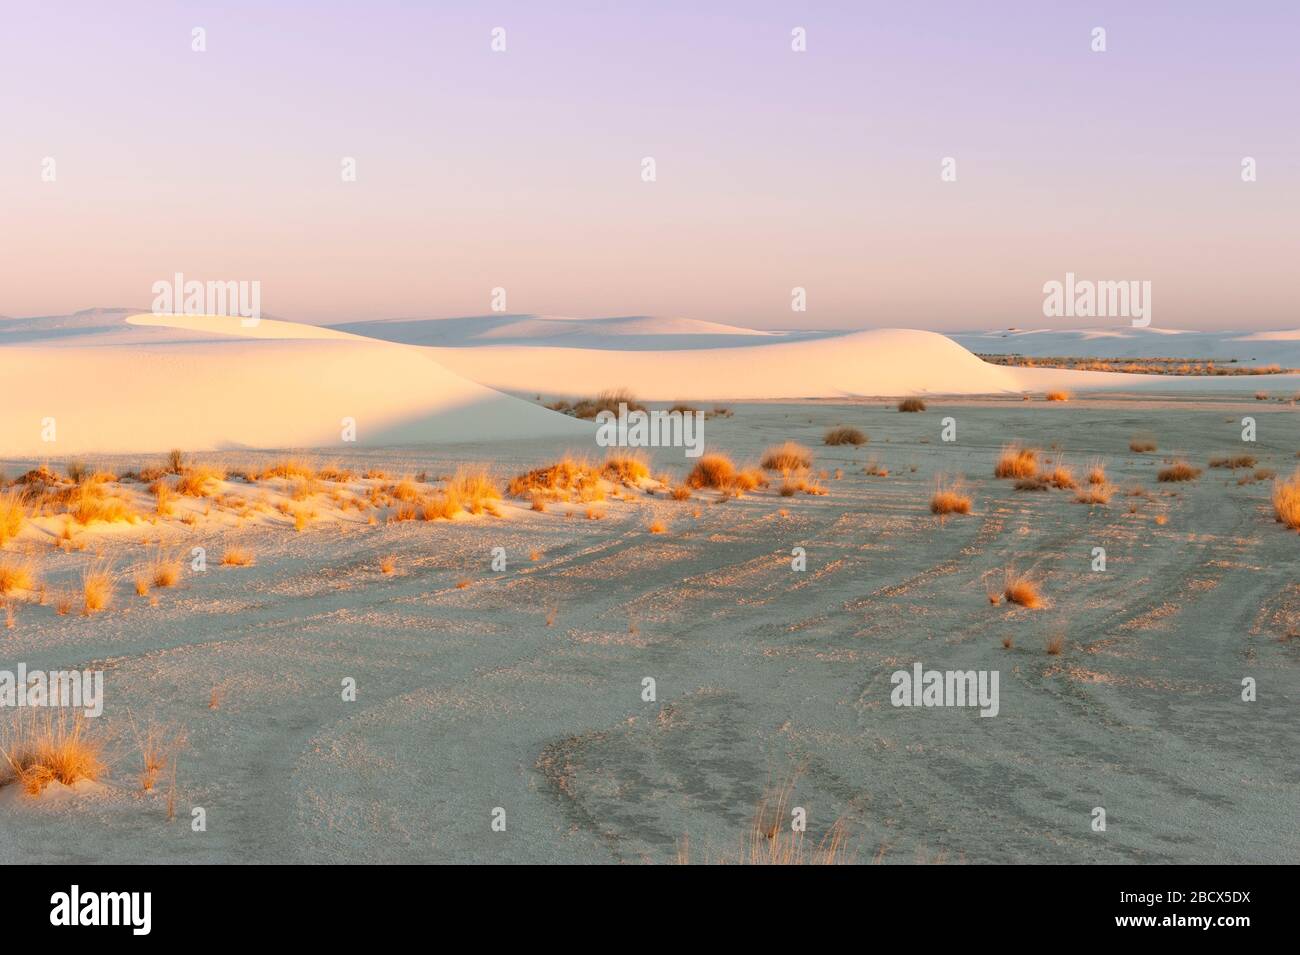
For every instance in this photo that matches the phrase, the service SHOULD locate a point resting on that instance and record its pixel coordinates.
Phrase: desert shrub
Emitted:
(844, 435)
(1016, 462)
(1286, 501)
(787, 457)
(911, 404)
(1178, 471)
(712, 471)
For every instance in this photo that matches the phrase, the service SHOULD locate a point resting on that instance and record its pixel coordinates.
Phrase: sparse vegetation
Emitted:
(1178, 471)
(13, 513)
(1286, 501)
(1016, 462)
(16, 574)
(1058, 396)
(96, 587)
(235, 556)
(911, 404)
(41, 748)
(1019, 589)
(948, 499)
(712, 471)
(1141, 445)
(844, 435)
(1233, 461)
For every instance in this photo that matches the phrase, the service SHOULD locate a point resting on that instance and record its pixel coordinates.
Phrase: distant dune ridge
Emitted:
(115, 380)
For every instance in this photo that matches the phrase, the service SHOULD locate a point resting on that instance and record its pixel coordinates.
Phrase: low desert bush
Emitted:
(1060, 476)
(712, 471)
(844, 435)
(1016, 462)
(911, 404)
(196, 481)
(1233, 461)
(561, 481)
(625, 469)
(1178, 471)
(607, 400)
(786, 457)
(1058, 396)
(1097, 473)
(1141, 445)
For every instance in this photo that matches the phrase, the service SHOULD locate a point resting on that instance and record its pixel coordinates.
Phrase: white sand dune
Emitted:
(623, 333)
(880, 362)
(279, 385)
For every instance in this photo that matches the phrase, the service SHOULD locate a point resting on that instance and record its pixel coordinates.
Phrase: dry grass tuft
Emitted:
(1286, 501)
(1178, 471)
(96, 587)
(1233, 461)
(1016, 462)
(1055, 644)
(1061, 477)
(658, 527)
(164, 568)
(844, 435)
(17, 575)
(567, 478)
(712, 471)
(158, 747)
(387, 564)
(911, 404)
(235, 556)
(13, 512)
(787, 457)
(949, 500)
(473, 489)
(1139, 445)
(1094, 494)
(1019, 589)
(1058, 396)
(41, 749)
(1097, 473)
(628, 469)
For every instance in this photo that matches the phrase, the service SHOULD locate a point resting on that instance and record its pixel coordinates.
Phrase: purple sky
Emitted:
(775, 169)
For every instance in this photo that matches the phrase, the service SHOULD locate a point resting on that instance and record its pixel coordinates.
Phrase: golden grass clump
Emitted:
(17, 575)
(13, 513)
(474, 489)
(607, 400)
(1061, 477)
(786, 457)
(1055, 644)
(1286, 501)
(844, 435)
(288, 468)
(1058, 396)
(1016, 462)
(1178, 471)
(195, 481)
(561, 481)
(1139, 445)
(235, 556)
(40, 749)
(1019, 589)
(96, 587)
(1094, 494)
(658, 527)
(948, 499)
(1097, 473)
(387, 564)
(911, 404)
(164, 569)
(625, 468)
(1233, 462)
(714, 470)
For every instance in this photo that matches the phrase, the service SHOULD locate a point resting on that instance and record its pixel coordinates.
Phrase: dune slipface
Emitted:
(276, 385)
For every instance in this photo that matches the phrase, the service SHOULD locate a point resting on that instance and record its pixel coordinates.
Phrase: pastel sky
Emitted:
(775, 169)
